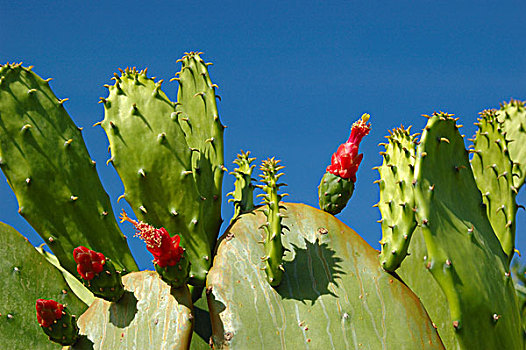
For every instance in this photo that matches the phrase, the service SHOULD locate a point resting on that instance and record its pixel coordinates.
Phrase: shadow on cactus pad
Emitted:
(310, 259)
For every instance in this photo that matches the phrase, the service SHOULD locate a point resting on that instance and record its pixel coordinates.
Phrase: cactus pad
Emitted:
(243, 194)
(493, 172)
(26, 276)
(170, 155)
(45, 160)
(397, 199)
(151, 315)
(459, 241)
(333, 295)
(512, 115)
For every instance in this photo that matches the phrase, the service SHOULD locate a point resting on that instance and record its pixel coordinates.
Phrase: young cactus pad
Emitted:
(493, 171)
(397, 198)
(150, 315)
(333, 295)
(273, 228)
(25, 276)
(46, 163)
(337, 184)
(243, 194)
(463, 267)
(170, 155)
(512, 115)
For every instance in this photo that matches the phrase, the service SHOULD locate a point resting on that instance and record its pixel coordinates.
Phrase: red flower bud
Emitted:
(346, 160)
(48, 311)
(165, 249)
(89, 262)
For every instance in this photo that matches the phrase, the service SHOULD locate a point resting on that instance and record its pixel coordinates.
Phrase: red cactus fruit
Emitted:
(346, 160)
(89, 262)
(48, 311)
(165, 249)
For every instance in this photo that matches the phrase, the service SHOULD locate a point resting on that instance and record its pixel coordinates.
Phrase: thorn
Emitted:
(73, 198)
(121, 197)
(26, 128)
(68, 142)
(143, 209)
(443, 139)
(97, 123)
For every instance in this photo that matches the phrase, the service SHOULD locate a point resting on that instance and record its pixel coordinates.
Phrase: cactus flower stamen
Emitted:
(346, 160)
(89, 262)
(165, 249)
(48, 311)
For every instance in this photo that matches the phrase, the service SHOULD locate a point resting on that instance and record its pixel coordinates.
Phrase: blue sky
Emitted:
(293, 76)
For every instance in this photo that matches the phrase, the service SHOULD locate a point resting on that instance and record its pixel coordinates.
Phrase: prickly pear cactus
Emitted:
(493, 172)
(334, 294)
(25, 276)
(170, 155)
(45, 160)
(337, 184)
(459, 241)
(512, 115)
(243, 194)
(273, 227)
(150, 315)
(397, 198)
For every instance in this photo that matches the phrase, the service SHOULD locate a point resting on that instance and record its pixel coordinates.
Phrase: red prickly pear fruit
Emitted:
(89, 262)
(98, 274)
(346, 160)
(48, 311)
(169, 259)
(56, 322)
(337, 185)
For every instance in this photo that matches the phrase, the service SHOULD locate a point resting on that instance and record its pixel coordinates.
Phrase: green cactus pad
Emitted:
(334, 193)
(334, 294)
(26, 276)
(512, 115)
(151, 315)
(170, 179)
(464, 257)
(493, 171)
(243, 194)
(273, 228)
(45, 160)
(397, 199)
(197, 113)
